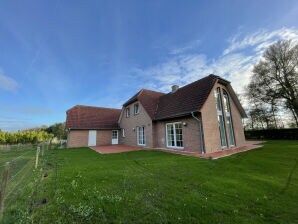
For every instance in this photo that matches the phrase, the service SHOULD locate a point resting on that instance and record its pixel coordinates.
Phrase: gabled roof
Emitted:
(191, 98)
(186, 99)
(148, 99)
(88, 117)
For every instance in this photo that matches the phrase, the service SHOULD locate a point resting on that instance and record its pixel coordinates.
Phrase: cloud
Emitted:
(189, 46)
(7, 83)
(235, 63)
(260, 40)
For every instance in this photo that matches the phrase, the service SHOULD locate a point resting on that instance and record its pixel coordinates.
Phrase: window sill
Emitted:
(173, 147)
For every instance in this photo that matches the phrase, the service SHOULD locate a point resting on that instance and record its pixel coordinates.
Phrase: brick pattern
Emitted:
(77, 138)
(211, 127)
(130, 125)
(191, 134)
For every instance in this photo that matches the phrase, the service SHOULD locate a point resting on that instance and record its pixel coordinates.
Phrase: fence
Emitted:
(18, 162)
(286, 133)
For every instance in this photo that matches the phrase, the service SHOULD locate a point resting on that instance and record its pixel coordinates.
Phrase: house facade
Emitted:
(203, 117)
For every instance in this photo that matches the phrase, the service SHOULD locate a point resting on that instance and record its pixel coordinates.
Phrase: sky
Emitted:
(57, 54)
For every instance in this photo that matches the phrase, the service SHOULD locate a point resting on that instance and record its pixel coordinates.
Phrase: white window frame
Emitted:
(144, 135)
(175, 140)
(134, 108)
(123, 132)
(127, 112)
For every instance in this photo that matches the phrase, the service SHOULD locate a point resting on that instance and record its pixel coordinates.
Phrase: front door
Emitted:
(92, 138)
(114, 137)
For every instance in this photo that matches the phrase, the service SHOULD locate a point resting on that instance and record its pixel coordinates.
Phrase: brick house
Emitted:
(204, 116)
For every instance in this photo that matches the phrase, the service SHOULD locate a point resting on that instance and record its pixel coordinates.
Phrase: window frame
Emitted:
(134, 108)
(123, 132)
(175, 136)
(144, 136)
(229, 118)
(127, 112)
(220, 115)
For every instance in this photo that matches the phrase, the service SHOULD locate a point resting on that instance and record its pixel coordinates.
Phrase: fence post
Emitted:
(42, 149)
(37, 155)
(3, 189)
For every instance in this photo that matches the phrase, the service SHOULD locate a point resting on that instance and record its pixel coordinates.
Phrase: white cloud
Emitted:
(7, 83)
(186, 47)
(235, 63)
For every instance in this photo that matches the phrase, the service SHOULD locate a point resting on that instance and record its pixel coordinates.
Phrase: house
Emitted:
(203, 117)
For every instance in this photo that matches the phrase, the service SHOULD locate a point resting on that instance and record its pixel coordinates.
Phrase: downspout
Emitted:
(201, 132)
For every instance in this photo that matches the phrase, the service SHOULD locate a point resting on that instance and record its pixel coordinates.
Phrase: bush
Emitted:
(286, 133)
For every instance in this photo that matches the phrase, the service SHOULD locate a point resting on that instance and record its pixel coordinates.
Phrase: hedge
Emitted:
(286, 133)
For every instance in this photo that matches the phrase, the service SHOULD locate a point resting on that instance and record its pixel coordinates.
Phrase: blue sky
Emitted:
(56, 54)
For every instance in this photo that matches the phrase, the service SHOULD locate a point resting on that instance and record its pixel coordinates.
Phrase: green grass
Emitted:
(258, 186)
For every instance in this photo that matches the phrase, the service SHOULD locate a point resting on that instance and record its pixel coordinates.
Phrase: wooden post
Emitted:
(3, 189)
(37, 155)
(42, 149)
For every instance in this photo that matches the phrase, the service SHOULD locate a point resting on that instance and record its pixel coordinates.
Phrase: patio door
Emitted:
(92, 138)
(114, 137)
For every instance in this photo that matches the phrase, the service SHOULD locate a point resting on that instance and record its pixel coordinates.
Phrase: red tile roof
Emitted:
(159, 106)
(148, 99)
(87, 117)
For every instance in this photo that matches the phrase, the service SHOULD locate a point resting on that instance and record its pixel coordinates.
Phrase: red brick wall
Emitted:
(79, 138)
(191, 134)
(210, 123)
(130, 125)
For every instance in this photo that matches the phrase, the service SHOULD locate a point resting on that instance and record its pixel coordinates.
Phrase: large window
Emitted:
(174, 135)
(229, 117)
(221, 123)
(127, 112)
(136, 108)
(141, 139)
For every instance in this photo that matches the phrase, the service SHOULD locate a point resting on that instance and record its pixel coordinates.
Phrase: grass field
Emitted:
(82, 186)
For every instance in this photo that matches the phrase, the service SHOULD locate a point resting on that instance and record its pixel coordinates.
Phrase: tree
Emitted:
(275, 78)
(58, 130)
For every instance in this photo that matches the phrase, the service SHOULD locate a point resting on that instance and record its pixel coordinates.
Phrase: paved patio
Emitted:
(108, 149)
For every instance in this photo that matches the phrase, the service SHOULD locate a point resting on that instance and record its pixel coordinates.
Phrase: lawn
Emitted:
(82, 186)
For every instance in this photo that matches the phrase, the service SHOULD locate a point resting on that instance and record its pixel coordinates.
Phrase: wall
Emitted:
(79, 138)
(191, 134)
(128, 123)
(211, 127)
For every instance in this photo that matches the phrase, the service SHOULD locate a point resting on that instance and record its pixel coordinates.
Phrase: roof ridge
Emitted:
(108, 108)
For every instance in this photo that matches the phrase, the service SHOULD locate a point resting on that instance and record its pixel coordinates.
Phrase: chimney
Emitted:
(174, 88)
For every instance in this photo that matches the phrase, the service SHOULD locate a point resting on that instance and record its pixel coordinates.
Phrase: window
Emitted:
(136, 108)
(221, 123)
(141, 139)
(127, 112)
(114, 134)
(123, 132)
(174, 135)
(229, 118)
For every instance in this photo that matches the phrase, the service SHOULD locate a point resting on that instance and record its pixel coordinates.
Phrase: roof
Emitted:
(186, 99)
(88, 117)
(148, 99)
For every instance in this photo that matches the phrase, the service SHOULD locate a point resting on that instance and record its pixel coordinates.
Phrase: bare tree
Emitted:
(275, 78)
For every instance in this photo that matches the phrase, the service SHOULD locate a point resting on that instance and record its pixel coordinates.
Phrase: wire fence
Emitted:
(22, 169)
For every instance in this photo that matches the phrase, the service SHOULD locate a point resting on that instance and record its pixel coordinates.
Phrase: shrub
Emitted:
(286, 133)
